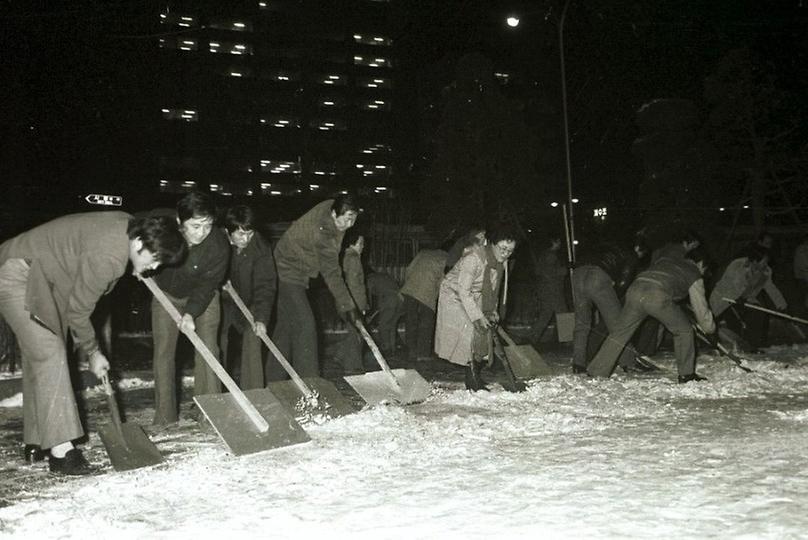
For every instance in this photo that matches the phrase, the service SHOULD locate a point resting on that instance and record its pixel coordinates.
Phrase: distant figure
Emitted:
(601, 277)
(468, 305)
(550, 276)
(743, 280)
(51, 278)
(310, 246)
(252, 275)
(655, 293)
(474, 237)
(420, 292)
(801, 273)
(385, 299)
(193, 288)
(349, 350)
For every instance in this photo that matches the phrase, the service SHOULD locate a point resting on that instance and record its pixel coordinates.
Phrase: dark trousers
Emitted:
(295, 334)
(348, 351)
(251, 371)
(420, 328)
(165, 333)
(390, 311)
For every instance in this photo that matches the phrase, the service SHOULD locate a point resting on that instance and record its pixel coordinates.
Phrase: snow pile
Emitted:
(632, 456)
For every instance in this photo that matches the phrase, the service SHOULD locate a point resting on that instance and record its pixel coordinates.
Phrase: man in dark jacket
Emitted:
(252, 275)
(193, 287)
(51, 279)
(384, 298)
(655, 293)
(310, 246)
(601, 277)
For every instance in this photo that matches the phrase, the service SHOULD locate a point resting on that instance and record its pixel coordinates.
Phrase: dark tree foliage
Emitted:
(485, 158)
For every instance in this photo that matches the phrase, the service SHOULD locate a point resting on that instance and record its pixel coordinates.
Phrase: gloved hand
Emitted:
(493, 319)
(353, 316)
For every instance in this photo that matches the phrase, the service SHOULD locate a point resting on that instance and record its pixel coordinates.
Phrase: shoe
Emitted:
(578, 370)
(73, 464)
(473, 380)
(636, 367)
(692, 377)
(32, 453)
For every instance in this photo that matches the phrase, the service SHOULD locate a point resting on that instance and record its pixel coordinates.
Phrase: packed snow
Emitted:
(629, 457)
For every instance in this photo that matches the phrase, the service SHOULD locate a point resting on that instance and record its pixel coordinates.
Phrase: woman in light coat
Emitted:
(468, 305)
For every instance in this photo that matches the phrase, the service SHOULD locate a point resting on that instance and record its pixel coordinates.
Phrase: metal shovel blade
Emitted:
(237, 430)
(130, 448)
(332, 403)
(526, 362)
(376, 386)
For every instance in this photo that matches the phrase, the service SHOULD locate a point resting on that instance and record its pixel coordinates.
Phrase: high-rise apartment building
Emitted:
(278, 98)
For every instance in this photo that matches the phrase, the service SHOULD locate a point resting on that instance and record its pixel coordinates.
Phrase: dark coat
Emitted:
(253, 276)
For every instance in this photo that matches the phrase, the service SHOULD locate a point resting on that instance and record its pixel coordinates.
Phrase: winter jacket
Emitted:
(459, 306)
(200, 275)
(423, 276)
(311, 246)
(355, 278)
(74, 260)
(253, 276)
(619, 263)
(743, 278)
(801, 262)
(680, 278)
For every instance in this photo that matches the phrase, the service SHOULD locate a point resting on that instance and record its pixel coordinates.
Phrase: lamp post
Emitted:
(513, 22)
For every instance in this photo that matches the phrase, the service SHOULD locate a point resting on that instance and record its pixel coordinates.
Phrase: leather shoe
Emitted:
(33, 453)
(73, 464)
(692, 377)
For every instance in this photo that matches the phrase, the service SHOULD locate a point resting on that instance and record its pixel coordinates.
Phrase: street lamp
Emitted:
(513, 22)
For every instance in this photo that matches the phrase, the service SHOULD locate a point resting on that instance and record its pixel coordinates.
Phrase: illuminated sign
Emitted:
(104, 200)
(599, 213)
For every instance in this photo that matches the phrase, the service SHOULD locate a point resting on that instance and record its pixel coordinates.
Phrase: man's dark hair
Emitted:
(502, 231)
(689, 236)
(345, 203)
(239, 217)
(196, 204)
(757, 253)
(160, 236)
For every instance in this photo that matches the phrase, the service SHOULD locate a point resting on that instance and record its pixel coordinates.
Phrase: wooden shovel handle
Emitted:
(114, 412)
(245, 404)
(504, 335)
(301, 385)
(377, 353)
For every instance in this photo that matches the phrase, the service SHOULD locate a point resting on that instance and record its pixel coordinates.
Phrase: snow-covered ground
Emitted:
(629, 457)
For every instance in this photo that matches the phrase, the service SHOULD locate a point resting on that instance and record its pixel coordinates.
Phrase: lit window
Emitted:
(187, 115)
(328, 125)
(376, 149)
(372, 62)
(280, 121)
(230, 47)
(331, 102)
(280, 167)
(503, 78)
(368, 39)
(181, 44)
(176, 19)
(374, 82)
(374, 170)
(375, 105)
(332, 79)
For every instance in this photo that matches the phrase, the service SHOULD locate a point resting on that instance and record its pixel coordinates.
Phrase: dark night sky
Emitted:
(70, 69)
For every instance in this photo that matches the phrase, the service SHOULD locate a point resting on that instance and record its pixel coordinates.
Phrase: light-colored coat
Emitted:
(459, 305)
(742, 279)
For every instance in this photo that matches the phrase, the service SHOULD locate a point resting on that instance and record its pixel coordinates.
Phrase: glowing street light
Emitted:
(512, 21)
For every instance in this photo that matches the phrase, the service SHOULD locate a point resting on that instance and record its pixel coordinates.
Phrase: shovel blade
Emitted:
(526, 362)
(376, 387)
(237, 430)
(333, 403)
(130, 448)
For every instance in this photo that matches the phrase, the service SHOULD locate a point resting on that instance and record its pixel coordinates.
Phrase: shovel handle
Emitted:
(114, 412)
(504, 335)
(377, 353)
(301, 385)
(245, 404)
(769, 311)
(717, 344)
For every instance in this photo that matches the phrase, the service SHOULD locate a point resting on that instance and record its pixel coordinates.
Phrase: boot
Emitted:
(73, 464)
(474, 381)
(691, 377)
(33, 453)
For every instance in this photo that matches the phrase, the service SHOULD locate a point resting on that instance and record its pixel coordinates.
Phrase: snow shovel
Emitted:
(791, 318)
(127, 444)
(319, 399)
(240, 420)
(525, 361)
(403, 386)
(723, 350)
